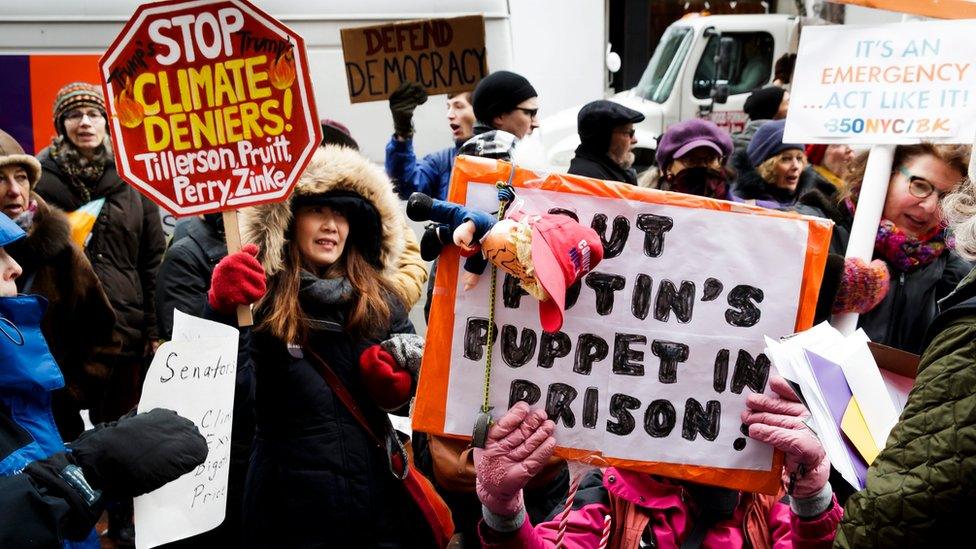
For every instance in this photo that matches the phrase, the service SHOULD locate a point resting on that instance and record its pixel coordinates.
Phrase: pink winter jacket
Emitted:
(639, 500)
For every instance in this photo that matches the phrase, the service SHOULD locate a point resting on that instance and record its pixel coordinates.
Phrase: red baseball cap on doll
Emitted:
(563, 251)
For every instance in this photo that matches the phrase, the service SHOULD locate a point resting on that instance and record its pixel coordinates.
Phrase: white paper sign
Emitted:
(884, 84)
(194, 375)
(658, 353)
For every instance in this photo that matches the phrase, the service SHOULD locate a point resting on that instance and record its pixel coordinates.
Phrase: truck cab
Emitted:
(680, 80)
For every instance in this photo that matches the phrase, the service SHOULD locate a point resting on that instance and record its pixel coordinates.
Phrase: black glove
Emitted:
(138, 454)
(403, 101)
(59, 477)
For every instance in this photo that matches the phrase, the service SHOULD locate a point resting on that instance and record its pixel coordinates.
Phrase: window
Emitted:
(664, 66)
(750, 66)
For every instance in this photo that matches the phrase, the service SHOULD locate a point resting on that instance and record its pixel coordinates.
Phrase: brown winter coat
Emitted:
(79, 324)
(125, 250)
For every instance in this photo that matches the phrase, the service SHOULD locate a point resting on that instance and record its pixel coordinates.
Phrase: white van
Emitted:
(679, 79)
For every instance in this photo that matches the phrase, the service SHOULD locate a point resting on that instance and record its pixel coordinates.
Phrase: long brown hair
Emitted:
(955, 156)
(369, 315)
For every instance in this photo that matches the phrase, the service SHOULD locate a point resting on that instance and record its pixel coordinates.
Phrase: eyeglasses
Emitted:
(919, 187)
(631, 132)
(76, 116)
(531, 112)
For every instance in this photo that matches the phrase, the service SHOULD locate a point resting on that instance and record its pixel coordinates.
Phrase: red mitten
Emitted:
(237, 280)
(862, 286)
(387, 382)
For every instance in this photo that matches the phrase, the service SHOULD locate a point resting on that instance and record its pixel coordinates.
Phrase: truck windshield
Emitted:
(662, 71)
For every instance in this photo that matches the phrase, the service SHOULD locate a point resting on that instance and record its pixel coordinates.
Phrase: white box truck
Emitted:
(680, 80)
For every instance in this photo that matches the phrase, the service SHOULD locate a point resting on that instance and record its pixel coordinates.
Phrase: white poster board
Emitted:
(609, 364)
(194, 374)
(884, 84)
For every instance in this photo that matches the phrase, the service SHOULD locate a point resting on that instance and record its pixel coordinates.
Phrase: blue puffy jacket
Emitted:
(431, 175)
(27, 378)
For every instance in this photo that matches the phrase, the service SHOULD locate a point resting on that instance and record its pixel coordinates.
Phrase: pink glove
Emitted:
(778, 421)
(518, 445)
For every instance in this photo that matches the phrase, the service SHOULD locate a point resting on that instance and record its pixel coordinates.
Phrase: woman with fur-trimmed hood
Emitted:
(327, 258)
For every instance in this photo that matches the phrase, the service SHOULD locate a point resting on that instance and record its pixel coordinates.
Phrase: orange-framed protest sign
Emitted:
(942, 9)
(661, 342)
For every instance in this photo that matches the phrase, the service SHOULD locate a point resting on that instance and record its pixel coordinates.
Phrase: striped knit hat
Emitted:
(74, 95)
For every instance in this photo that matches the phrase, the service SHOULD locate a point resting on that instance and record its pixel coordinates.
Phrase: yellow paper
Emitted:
(82, 224)
(856, 429)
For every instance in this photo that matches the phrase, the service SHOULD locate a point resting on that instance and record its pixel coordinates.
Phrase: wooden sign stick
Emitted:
(232, 232)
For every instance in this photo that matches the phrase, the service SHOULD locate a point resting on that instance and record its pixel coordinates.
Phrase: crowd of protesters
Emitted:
(332, 273)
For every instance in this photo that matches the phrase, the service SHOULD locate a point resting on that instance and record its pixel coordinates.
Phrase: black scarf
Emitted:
(324, 300)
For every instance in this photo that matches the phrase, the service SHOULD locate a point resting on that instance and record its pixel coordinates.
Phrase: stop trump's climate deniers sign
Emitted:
(211, 105)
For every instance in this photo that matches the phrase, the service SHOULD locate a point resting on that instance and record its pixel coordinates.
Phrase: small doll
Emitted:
(547, 253)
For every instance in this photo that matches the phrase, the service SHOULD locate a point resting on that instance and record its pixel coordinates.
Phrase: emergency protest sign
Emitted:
(442, 55)
(660, 344)
(884, 84)
(211, 105)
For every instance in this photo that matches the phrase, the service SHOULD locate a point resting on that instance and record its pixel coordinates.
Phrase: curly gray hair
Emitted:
(959, 208)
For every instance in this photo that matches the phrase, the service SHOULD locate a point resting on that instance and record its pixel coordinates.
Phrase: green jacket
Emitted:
(921, 490)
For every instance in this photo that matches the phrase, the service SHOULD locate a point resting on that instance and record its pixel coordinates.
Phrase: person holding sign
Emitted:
(631, 509)
(919, 490)
(772, 175)
(49, 494)
(912, 241)
(333, 350)
(432, 174)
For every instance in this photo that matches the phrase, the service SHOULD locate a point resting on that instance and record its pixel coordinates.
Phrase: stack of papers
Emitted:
(853, 404)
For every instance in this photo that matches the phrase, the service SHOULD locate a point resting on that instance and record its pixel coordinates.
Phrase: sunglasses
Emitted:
(631, 132)
(919, 187)
(530, 112)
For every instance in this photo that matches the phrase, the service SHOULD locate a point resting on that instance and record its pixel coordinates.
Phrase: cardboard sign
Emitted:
(884, 84)
(442, 55)
(211, 105)
(661, 343)
(195, 375)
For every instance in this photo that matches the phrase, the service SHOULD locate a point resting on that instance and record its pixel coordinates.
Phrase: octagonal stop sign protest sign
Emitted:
(211, 105)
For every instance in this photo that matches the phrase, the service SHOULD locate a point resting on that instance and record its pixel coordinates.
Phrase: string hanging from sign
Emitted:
(506, 194)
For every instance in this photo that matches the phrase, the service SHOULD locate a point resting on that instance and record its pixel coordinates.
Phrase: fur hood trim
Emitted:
(332, 168)
(50, 233)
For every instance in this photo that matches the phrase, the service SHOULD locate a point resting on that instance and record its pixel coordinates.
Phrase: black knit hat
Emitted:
(763, 104)
(498, 93)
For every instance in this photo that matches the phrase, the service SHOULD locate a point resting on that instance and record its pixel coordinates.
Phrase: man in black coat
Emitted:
(606, 131)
